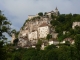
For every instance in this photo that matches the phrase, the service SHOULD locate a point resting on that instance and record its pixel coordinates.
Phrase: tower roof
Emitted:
(56, 8)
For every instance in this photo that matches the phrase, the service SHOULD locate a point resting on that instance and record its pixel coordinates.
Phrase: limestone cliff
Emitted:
(36, 27)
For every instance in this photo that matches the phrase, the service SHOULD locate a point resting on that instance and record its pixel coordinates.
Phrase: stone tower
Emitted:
(56, 11)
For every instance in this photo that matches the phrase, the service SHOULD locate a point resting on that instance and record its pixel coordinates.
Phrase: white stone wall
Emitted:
(49, 13)
(42, 46)
(55, 42)
(63, 42)
(32, 35)
(75, 24)
(13, 38)
(50, 42)
(43, 31)
(31, 16)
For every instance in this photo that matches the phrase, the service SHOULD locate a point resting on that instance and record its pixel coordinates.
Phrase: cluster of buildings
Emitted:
(37, 29)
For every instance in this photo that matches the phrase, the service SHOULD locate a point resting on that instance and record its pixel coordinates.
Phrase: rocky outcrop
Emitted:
(35, 27)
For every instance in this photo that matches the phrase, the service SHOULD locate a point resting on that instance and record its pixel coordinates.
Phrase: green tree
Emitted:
(61, 18)
(38, 45)
(4, 28)
(40, 14)
(49, 37)
(77, 44)
(30, 54)
(51, 55)
(50, 47)
(77, 41)
(16, 41)
(63, 53)
(61, 37)
(54, 22)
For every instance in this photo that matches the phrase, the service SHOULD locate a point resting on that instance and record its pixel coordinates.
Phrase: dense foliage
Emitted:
(40, 14)
(50, 53)
(64, 22)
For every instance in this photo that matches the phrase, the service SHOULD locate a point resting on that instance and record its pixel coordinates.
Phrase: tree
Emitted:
(49, 37)
(4, 28)
(61, 18)
(51, 55)
(77, 44)
(40, 14)
(77, 41)
(54, 22)
(4, 25)
(61, 37)
(16, 41)
(38, 45)
(50, 47)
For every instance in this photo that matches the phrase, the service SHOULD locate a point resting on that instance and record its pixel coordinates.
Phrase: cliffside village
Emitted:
(37, 28)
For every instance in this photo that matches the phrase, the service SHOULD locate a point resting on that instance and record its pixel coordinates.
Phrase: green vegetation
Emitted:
(64, 22)
(64, 52)
(48, 37)
(40, 14)
(38, 45)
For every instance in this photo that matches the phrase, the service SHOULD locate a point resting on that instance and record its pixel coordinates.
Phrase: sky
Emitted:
(17, 11)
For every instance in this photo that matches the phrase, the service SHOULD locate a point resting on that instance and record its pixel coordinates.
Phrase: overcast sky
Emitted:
(18, 10)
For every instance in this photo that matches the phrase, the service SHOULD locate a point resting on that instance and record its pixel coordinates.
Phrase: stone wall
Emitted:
(32, 35)
(43, 31)
(30, 16)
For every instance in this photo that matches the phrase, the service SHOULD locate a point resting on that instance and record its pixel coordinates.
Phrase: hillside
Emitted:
(37, 27)
(50, 28)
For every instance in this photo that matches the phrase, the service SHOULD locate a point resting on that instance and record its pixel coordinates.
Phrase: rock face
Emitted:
(13, 38)
(36, 27)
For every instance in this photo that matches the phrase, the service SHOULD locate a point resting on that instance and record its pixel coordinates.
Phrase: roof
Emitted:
(43, 24)
(56, 8)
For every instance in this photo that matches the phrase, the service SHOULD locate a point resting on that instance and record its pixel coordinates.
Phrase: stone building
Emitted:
(43, 30)
(35, 28)
(75, 24)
